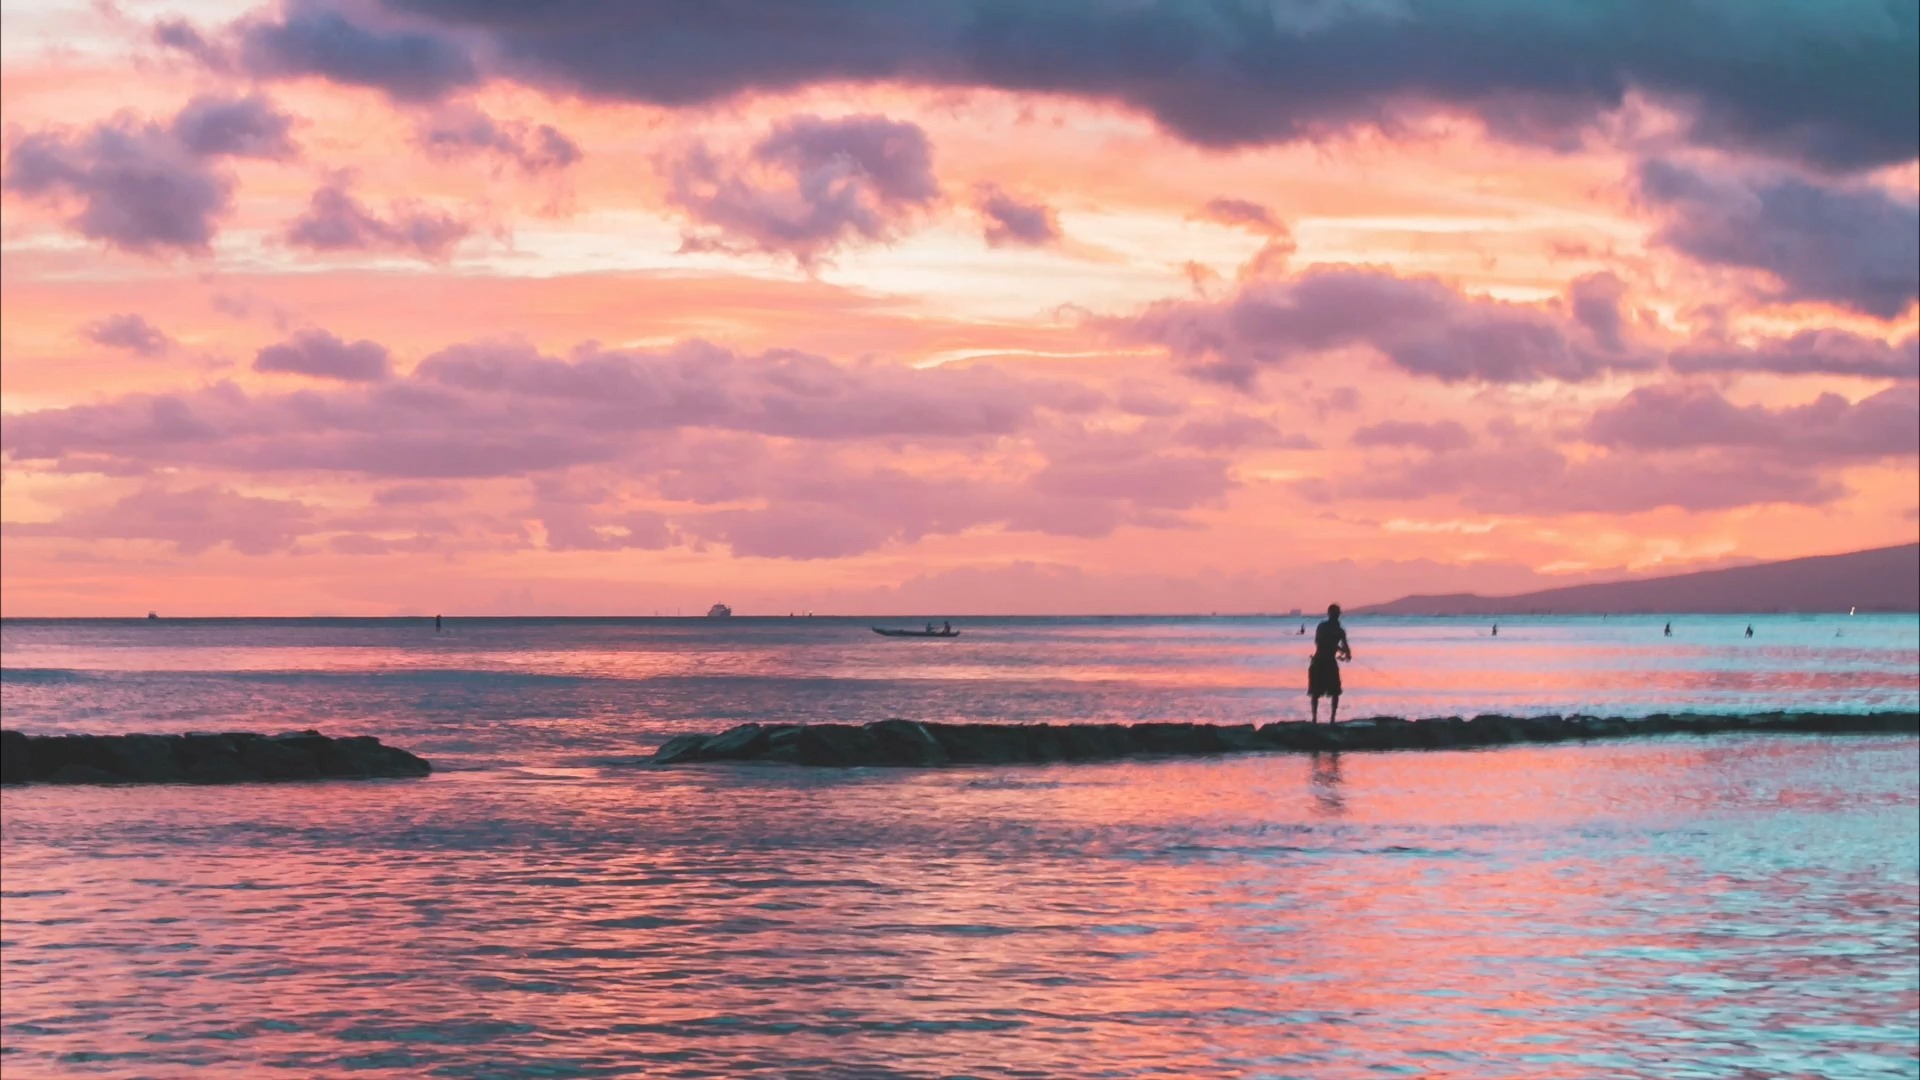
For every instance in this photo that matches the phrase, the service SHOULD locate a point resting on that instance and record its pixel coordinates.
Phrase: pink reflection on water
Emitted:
(1612, 909)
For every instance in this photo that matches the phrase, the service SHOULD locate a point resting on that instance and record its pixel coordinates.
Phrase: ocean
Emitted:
(546, 905)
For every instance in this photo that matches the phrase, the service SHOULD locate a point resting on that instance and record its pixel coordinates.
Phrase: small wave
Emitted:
(42, 675)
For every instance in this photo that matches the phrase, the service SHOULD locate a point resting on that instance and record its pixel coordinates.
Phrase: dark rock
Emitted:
(55, 752)
(363, 757)
(146, 759)
(1176, 739)
(1239, 738)
(1363, 735)
(783, 744)
(218, 769)
(277, 759)
(736, 743)
(906, 742)
(681, 748)
(1044, 743)
(835, 744)
(1439, 733)
(903, 742)
(980, 744)
(1093, 742)
(210, 759)
(1287, 735)
(16, 758)
(231, 757)
(74, 772)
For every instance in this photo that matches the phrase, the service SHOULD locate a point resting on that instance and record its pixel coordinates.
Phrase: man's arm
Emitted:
(1346, 650)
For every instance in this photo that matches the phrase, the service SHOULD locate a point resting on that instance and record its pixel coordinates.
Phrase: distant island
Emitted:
(1882, 579)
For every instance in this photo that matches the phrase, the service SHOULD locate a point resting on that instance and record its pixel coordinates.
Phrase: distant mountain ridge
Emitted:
(1880, 579)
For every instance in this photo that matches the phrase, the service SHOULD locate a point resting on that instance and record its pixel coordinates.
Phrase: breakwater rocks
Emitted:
(908, 742)
(230, 758)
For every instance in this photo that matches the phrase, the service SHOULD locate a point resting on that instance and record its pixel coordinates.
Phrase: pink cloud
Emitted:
(1010, 222)
(809, 188)
(1847, 244)
(1810, 352)
(323, 356)
(1419, 324)
(1828, 429)
(1438, 436)
(192, 521)
(336, 221)
(456, 131)
(1526, 477)
(130, 332)
(492, 409)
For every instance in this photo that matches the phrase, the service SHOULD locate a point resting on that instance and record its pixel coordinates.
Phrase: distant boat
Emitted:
(719, 611)
(153, 614)
(915, 633)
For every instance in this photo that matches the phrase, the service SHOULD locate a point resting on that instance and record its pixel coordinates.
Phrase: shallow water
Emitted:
(1733, 906)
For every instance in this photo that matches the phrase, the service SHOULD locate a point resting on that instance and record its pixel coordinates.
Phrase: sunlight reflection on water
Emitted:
(1732, 906)
(1662, 908)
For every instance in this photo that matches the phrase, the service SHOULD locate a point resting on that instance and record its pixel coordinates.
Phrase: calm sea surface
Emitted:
(1728, 906)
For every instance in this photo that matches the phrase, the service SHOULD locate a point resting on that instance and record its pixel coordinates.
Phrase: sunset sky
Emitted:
(480, 307)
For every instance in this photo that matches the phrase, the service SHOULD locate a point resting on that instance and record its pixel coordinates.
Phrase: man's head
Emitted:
(1333, 611)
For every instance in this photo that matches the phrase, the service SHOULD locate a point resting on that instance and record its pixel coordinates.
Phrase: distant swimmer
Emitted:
(436, 624)
(1669, 630)
(1303, 630)
(1749, 629)
(1323, 671)
(1496, 629)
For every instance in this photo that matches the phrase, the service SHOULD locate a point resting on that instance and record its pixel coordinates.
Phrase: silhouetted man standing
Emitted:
(1323, 671)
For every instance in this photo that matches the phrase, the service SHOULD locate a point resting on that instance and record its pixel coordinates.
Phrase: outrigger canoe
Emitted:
(916, 633)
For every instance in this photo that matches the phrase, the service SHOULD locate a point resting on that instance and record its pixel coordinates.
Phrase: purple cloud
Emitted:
(310, 38)
(1853, 246)
(1809, 352)
(1235, 431)
(191, 521)
(1595, 300)
(1419, 324)
(464, 130)
(416, 495)
(809, 188)
(816, 507)
(1437, 437)
(504, 410)
(323, 356)
(130, 332)
(1242, 214)
(574, 520)
(145, 187)
(1012, 223)
(1829, 429)
(134, 185)
(1829, 84)
(182, 36)
(1525, 477)
(249, 127)
(336, 221)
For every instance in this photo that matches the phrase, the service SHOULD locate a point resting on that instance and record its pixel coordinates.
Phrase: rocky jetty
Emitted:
(230, 758)
(908, 742)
